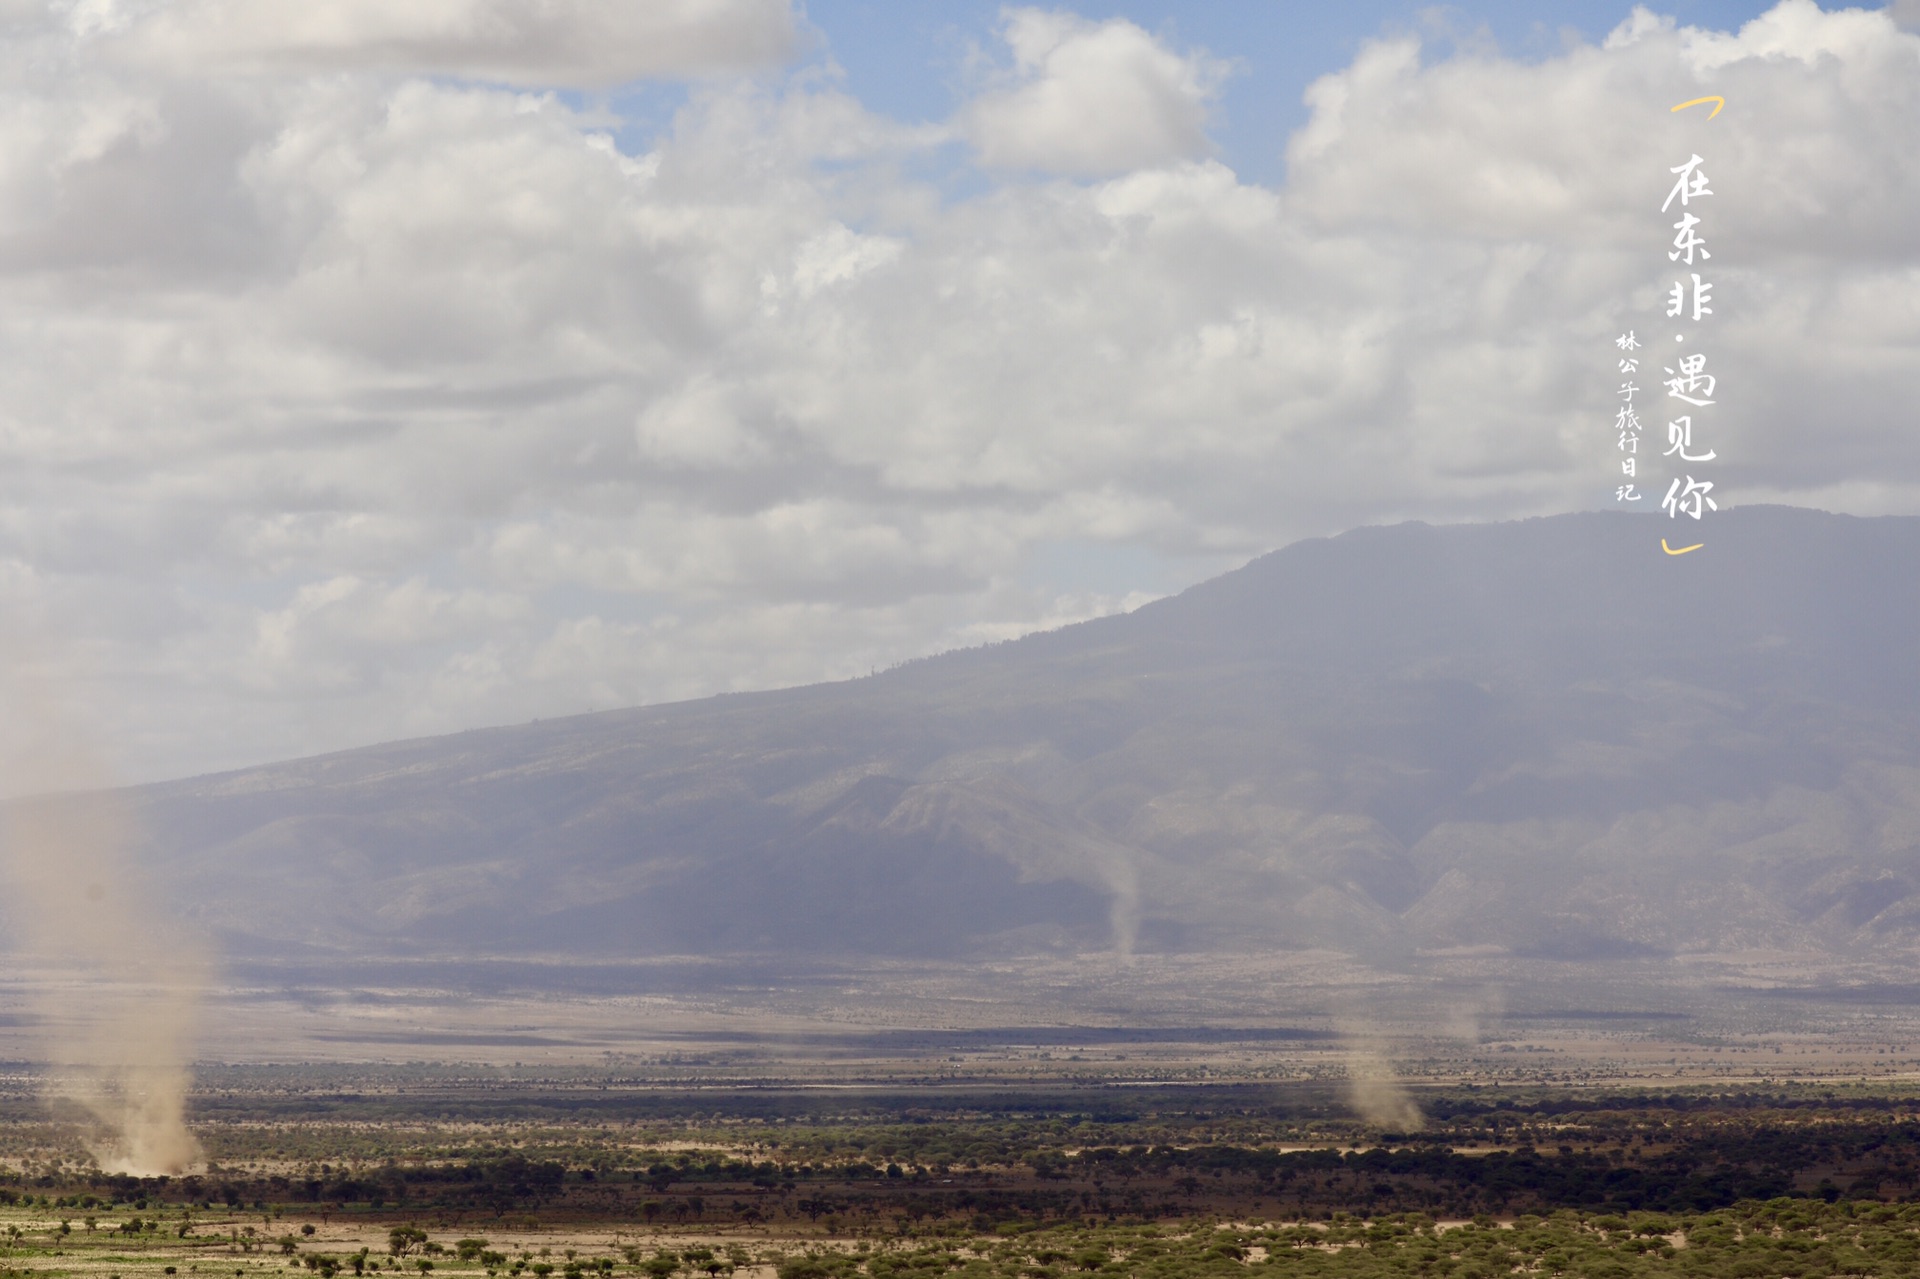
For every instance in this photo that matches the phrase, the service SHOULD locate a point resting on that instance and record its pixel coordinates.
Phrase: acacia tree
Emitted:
(402, 1240)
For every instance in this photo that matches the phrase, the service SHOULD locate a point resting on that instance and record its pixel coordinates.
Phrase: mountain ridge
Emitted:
(1541, 738)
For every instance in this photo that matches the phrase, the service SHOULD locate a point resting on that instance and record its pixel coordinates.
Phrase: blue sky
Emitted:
(914, 61)
(909, 59)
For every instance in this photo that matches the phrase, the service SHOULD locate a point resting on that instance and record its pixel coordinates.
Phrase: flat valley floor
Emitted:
(1466, 1116)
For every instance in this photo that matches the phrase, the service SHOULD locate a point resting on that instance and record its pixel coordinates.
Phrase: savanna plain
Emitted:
(1576, 1141)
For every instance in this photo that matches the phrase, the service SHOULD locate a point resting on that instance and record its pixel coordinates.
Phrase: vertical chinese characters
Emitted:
(1687, 379)
(1625, 421)
(1689, 301)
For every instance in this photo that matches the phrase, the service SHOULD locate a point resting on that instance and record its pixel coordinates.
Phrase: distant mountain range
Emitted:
(1544, 738)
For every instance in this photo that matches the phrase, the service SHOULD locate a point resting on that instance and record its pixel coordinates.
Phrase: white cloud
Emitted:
(344, 406)
(339, 633)
(534, 42)
(837, 255)
(1092, 98)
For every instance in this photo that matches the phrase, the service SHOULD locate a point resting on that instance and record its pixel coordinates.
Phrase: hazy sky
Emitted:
(379, 369)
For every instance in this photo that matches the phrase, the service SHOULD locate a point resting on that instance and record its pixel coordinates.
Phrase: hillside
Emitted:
(1542, 738)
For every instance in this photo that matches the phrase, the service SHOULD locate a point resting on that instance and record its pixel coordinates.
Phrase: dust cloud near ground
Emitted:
(121, 994)
(1376, 1093)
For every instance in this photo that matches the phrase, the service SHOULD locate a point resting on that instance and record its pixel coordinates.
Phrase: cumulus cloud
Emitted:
(1092, 98)
(1552, 151)
(581, 43)
(351, 404)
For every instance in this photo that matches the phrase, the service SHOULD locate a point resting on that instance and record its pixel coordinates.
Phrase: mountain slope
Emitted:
(1540, 738)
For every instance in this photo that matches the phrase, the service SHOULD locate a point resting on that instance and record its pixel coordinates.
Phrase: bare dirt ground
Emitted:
(1146, 1020)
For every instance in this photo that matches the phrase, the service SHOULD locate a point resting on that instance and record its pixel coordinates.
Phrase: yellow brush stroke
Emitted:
(1680, 551)
(1717, 101)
